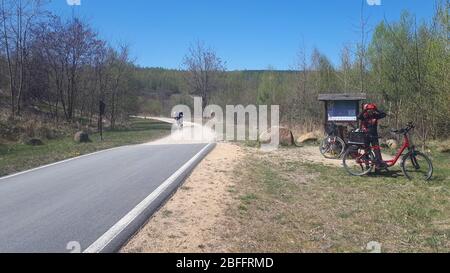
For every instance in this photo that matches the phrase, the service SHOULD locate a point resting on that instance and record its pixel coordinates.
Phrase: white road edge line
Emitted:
(112, 233)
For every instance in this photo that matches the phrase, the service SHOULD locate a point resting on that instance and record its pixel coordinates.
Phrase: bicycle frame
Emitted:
(406, 145)
(393, 162)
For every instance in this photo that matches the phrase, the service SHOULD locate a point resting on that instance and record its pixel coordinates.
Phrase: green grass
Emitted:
(18, 157)
(404, 215)
(284, 205)
(441, 162)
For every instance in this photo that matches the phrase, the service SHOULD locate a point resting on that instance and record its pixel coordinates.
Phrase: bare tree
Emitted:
(70, 50)
(361, 47)
(302, 66)
(346, 68)
(204, 69)
(297, 103)
(80, 44)
(17, 18)
(118, 68)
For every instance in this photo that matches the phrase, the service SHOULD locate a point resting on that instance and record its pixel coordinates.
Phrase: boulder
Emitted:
(309, 137)
(34, 142)
(82, 137)
(265, 137)
(392, 143)
(286, 137)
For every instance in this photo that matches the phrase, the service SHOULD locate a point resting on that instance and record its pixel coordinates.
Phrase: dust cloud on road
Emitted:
(191, 133)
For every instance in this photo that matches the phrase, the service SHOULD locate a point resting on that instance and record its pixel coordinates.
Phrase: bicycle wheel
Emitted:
(332, 147)
(417, 166)
(358, 162)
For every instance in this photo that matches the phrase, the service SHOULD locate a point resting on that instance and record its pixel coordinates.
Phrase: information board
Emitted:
(345, 111)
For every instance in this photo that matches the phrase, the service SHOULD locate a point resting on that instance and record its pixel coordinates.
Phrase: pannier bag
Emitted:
(358, 138)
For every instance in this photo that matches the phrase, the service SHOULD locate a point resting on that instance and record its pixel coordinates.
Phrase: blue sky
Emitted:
(247, 34)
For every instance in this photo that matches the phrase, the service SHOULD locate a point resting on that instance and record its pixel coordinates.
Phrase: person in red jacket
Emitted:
(369, 123)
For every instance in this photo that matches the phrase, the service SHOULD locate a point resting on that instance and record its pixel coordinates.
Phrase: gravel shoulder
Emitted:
(195, 219)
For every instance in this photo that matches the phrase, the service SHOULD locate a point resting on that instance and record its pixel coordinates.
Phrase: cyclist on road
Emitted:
(179, 117)
(369, 124)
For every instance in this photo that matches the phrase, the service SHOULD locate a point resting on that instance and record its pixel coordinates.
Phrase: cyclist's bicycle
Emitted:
(359, 159)
(180, 122)
(332, 146)
(179, 119)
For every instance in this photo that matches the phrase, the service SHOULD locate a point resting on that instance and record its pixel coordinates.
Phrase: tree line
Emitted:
(61, 65)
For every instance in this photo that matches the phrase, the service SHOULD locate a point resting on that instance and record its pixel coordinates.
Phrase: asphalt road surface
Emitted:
(87, 203)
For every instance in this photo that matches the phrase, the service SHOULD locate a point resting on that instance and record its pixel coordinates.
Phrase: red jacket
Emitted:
(369, 122)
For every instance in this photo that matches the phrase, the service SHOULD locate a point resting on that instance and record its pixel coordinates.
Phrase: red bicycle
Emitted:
(359, 159)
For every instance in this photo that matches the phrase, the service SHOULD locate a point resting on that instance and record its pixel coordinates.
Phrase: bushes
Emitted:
(43, 130)
(28, 127)
(9, 131)
(444, 146)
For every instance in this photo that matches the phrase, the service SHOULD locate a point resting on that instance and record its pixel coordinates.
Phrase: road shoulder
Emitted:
(195, 218)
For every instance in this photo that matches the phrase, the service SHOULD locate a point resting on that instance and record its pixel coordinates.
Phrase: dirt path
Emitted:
(310, 154)
(194, 218)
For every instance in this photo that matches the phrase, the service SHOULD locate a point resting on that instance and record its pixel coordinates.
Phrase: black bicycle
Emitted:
(332, 146)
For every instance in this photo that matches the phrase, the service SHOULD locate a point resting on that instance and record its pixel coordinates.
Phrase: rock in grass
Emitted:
(34, 142)
(286, 137)
(265, 137)
(309, 137)
(82, 137)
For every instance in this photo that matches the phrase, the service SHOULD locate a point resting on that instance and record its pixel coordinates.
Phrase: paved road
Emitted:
(82, 199)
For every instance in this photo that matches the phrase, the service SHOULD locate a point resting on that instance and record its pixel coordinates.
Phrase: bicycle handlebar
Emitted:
(404, 131)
